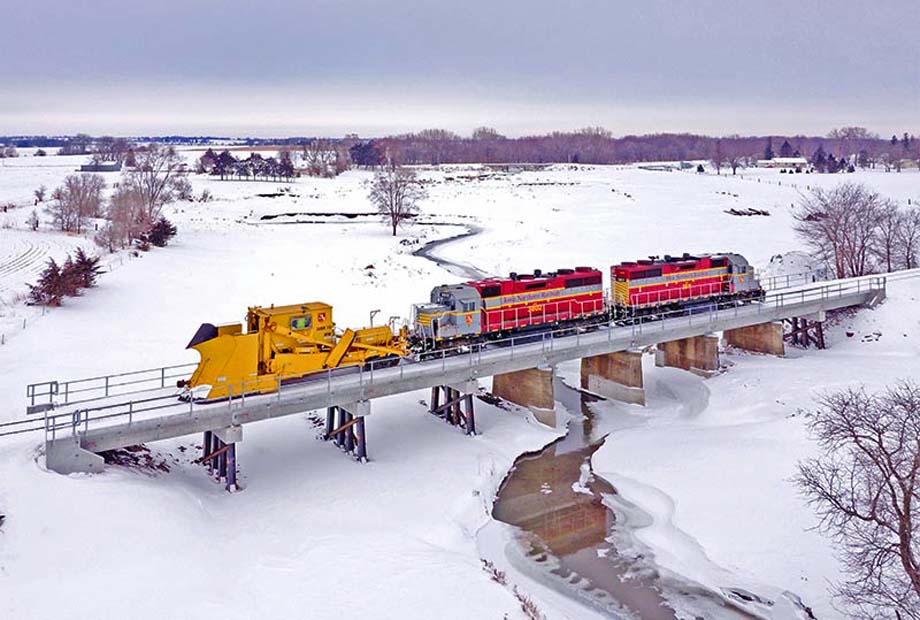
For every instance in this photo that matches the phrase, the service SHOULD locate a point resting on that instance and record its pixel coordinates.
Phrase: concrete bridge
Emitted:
(85, 417)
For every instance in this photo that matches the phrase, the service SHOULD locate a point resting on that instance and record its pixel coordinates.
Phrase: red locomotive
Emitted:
(500, 306)
(672, 283)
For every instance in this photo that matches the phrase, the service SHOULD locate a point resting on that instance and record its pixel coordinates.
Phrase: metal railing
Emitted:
(40, 395)
(95, 402)
(788, 280)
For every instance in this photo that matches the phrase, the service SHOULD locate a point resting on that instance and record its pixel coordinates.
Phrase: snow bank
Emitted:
(316, 534)
(716, 478)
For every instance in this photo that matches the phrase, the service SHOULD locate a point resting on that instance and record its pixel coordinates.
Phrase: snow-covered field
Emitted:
(316, 535)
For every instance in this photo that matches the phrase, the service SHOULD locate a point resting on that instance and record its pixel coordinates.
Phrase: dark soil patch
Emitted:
(136, 457)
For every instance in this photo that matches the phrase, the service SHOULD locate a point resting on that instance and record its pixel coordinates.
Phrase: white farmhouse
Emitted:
(795, 164)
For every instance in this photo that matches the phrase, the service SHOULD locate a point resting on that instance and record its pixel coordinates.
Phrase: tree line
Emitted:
(255, 167)
(855, 146)
(596, 145)
(318, 158)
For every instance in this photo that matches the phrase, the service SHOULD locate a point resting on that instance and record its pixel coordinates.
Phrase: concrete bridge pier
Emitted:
(66, 456)
(454, 404)
(698, 354)
(617, 376)
(762, 338)
(531, 388)
(345, 427)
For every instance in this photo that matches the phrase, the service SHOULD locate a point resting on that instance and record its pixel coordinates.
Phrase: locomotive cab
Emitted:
(454, 312)
(745, 280)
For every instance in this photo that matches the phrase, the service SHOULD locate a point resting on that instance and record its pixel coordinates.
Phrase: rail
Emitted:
(98, 402)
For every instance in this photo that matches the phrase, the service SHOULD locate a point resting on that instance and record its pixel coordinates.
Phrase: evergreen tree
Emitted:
(70, 278)
(894, 140)
(786, 149)
(224, 165)
(768, 151)
(366, 154)
(161, 232)
(819, 159)
(206, 162)
(87, 267)
(286, 165)
(49, 289)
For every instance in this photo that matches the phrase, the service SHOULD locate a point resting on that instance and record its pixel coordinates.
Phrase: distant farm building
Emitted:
(797, 164)
(103, 166)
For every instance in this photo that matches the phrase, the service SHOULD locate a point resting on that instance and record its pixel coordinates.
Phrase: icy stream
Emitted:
(567, 528)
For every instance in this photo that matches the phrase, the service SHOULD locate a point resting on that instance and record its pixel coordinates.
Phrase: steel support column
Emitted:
(456, 409)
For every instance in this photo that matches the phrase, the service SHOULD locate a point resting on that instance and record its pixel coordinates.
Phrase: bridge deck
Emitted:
(143, 416)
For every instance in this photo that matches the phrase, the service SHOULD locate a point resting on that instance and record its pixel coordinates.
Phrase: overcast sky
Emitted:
(310, 67)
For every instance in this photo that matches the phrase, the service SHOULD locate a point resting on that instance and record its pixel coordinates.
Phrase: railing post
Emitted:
(163, 377)
(106, 386)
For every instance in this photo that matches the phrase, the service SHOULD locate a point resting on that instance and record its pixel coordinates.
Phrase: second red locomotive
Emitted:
(673, 282)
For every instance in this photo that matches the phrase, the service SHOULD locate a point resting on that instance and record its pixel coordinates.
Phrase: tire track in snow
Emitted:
(24, 257)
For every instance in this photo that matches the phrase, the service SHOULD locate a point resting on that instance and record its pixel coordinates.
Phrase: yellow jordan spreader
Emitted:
(282, 344)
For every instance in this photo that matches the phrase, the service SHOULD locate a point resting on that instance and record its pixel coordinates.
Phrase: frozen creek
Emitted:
(574, 531)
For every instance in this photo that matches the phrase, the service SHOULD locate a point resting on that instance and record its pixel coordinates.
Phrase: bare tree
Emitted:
(717, 159)
(342, 159)
(320, 158)
(108, 237)
(735, 160)
(839, 226)
(79, 198)
(487, 133)
(128, 218)
(157, 178)
(113, 149)
(866, 491)
(887, 234)
(33, 221)
(40, 194)
(909, 239)
(396, 192)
